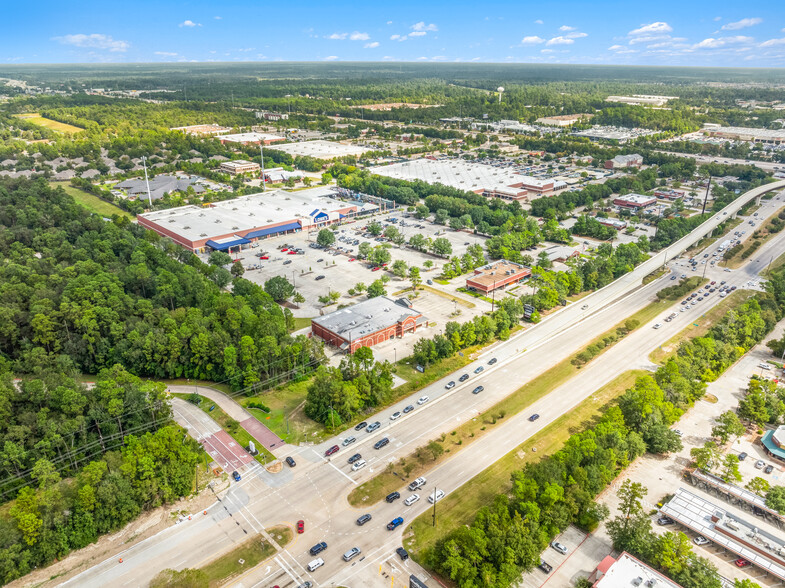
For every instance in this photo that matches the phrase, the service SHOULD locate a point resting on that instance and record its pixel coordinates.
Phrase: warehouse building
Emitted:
(234, 224)
(614, 223)
(770, 136)
(488, 180)
(252, 138)
(197, 130)
(642, 100)
(239, 166)
(627, 570)
(497, 275)
(368, 323)
(634, 201)
(624, 161)
(321, 149)
(563, 120)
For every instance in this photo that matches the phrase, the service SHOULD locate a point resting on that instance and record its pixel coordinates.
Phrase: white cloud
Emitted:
(576, 35)
(538, 21)
(648, 39)
(218, 17)
(373, 45)
(389, 22)
(560, 41)
(166, 54)
(421, 26)
(565, 28)
(331, 58)
(338, 36)
(712, 43)
(532, 40)
(94, 41)
(742, 24)
(716, 18)
(422, 59)
(773, 42)
(396, 38)
(417, 34)
(616, 47)
(655, 27)
(546, 51)
(189, 23)
(355, 36)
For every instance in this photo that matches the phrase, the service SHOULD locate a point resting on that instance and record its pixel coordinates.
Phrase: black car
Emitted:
(479, 369)
(318, 548)
(364, 519)
(355, 457)
(381, 443)
(769, 469)
(402, 553)
(742, 456)
(478, 389)
(287, 262)
(321, 277)
(393, 496)
(290, 462)
(463, 378)
(534, 417)
(545, 567)
(360, 426)
(492, 361)
(662, 521)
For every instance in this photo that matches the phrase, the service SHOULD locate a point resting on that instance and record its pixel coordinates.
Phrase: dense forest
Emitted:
(86, 459)
(548, 495)
(85, 294)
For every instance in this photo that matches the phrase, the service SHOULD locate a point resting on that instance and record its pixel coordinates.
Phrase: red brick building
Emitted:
(368, 323)
(496, 275)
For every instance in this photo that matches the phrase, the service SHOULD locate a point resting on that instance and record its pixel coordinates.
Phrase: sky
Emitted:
(664, 32)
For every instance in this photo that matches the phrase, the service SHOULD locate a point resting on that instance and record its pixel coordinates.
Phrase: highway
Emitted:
(315, 490)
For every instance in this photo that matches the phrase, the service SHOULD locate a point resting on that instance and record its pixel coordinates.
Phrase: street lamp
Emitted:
(395, 351)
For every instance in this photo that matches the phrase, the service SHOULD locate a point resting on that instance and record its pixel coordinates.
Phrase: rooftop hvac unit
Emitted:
(235, 228)
(203, 235)
(171, 220)
(186, 228)
(218, 220)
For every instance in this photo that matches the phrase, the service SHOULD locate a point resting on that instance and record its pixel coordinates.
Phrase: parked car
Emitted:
(742, 563)
(545, 567)
(331, 450)
(559, 547)
(396, 522)
(320, 277)
(301, 527)
(759, 464)
(663, 521)
(402, 553)
(742, 456)
(701, 540)
(769, 469)
(287, 262)
(290, 462)
(236, 476)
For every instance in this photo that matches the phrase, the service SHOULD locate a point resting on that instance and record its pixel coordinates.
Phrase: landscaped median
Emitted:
(426, 457)
(460, 506)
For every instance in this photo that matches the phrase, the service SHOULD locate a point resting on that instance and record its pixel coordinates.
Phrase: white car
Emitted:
(423, 399)
(348, 441)
(358, 465)
(657, 326)
(412, 499)
(435, 496)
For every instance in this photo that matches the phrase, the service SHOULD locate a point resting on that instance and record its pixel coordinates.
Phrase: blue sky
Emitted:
(665, 32)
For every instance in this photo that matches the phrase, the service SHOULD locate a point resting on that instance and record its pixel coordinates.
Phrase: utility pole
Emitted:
(434, 506)
(147, 182)
(261, 151)
(705, 198)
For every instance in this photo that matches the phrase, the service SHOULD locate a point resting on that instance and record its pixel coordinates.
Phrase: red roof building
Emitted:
(496, 275)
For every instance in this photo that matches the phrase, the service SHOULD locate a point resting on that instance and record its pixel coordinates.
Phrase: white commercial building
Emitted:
(252, 138)
(321, 149)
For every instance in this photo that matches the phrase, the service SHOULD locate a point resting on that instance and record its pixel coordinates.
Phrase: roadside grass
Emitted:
(654, 275)
(700, 325)
(423, 458)
(286, 416)
(775, 265)
(449, 296)
(53, 125)
(235, 431)
(91, 202)
(460, 506)
(762, 235)
(301, 323)
(252, 552)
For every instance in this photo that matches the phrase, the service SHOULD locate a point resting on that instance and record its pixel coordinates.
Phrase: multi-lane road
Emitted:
(316, 489)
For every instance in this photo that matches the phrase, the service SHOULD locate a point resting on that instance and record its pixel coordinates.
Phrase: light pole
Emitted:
(395, 352)
(434, 506)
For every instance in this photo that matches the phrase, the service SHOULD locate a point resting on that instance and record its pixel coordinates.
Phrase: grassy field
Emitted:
(460, 506)
(237, 433)
(286, 418)
(301, 323)
(700, 325)
(50, 124)
(422, 460)
(252, 552)
(91, 202)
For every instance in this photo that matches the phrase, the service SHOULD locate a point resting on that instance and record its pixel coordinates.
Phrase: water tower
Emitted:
(500, 90)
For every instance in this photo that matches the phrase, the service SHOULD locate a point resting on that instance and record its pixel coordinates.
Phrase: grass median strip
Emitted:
(426, 457)
(700, 325)
(460, 506)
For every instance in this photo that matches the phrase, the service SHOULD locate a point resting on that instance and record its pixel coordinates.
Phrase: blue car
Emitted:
(394, 523)
(236, 476)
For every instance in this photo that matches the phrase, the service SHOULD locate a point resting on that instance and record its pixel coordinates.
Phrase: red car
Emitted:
(330, 451)
(284, 249)
(300, 526)
(351, 259)
(264, 257)
(292, 253)
(742, 563)
(376, 269)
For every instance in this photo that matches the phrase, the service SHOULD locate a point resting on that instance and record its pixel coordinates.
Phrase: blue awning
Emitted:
(223, 245)
(274, 230)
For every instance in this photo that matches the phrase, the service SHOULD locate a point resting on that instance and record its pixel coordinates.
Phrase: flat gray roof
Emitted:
(364, 318)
